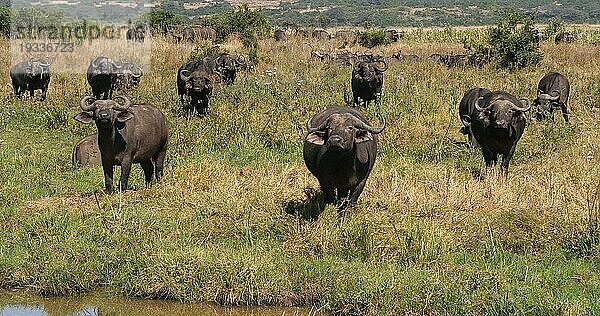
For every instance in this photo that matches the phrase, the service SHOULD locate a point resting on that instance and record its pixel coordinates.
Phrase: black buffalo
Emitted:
(367, 81)
(194, 83)
(127, 134)
(552, 92)
(497, 125)
(30, 75)
(128, 76)
(195, 33)
(340, 151)
(280, 35)
(137, 34)
(393, 35)
(564, 37)
(102, 76)
(223, 65)
(467, 109)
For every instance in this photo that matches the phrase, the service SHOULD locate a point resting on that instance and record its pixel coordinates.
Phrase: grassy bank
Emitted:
(227, 225)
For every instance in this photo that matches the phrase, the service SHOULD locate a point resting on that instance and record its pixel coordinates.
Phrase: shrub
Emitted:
(4, 21)
(163, 22)
(372, 38)
(249, 25)
(205, 49)
(511, 44)
(554, 27)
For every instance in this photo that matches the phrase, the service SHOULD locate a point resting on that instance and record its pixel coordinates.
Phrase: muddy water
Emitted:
(24, 304)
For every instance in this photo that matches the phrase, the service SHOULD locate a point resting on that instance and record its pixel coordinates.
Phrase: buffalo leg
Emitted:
(472, 141)
(108, 177)
(17, 89)
(159, 164)
(44, 93)
(31, 93)
(125, 171)
(552, 112)
(506, 157)
(148, 168)
(354, 194)
(328, 192)
(563, 108)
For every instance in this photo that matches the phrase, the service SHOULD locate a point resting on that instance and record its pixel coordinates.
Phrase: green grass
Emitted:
(428, 235)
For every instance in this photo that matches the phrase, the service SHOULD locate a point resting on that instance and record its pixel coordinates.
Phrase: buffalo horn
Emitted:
(125, 105)
(136, 71)
(367, 127)
(183, 75)
(315, 129)
(478, 107)
(381, 69)
(96, 60)
(554, 95)
(527, 106)
(85, 105)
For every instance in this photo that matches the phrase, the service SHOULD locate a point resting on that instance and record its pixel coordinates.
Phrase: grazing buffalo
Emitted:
(128, 76)
(564, 37)
(194, 83)
(399, 56)
(393, 35)
(86, 152)
(127, 134)
(553, 92)
(340, 151)
(224, 65)
(497, 125)
(102, 76)
(280, 35)
(30, 75)
(449, 60)
(321, 34)
(367, 81)
(467, 109)
(195, 33)
(137, 34)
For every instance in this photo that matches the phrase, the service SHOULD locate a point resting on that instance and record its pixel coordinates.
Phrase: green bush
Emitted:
(511, 44)
(4, 21)
(249, 25)
(163, 22)
(554, 27)
(373, 38)
(205, 49)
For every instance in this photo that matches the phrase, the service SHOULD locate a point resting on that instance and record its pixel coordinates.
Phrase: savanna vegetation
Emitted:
(235, 219)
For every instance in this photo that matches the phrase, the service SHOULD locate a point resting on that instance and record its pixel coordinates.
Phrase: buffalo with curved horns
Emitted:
(127, 134)
(30, 75)
(497, 125)
(340, 151)
(194, 83)
(552, 93)
(102, 76)
(367, 81)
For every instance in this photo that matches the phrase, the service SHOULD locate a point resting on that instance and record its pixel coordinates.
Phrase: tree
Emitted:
(163, 22)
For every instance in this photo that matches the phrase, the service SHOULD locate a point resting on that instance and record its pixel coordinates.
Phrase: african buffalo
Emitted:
(449, 60)
(102, 76)
(564, 37)
(195, 33)
(321, 34)
(127, 134)
(279, 35)
(497, 125)
(367, 81)
(340, 151)
(399, 56)
(128, 76)
(553, 92)
(467, 109)
(195, 84)
(137, 34)
(224, 65)
(86, 152)
(393, 35)
(30, 75)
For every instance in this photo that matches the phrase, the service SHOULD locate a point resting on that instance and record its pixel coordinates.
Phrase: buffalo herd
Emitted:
(341, 145)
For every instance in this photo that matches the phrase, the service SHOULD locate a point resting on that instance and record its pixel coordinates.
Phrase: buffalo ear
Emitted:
(84, 117)
(124, 116)
(362, 136)
(316, 138)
